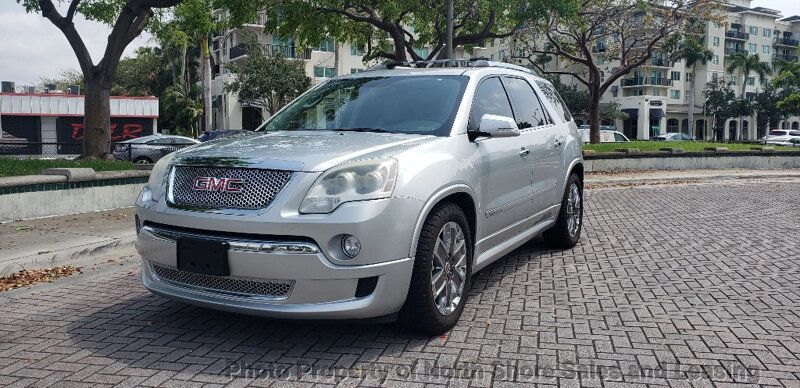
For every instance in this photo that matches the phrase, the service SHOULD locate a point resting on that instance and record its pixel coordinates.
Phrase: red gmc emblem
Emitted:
(209, 183)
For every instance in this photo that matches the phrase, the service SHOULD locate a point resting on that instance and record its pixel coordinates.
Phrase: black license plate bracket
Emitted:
(207, 257)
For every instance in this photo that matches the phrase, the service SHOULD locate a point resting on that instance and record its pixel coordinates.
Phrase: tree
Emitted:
(692, 50)
(128, 18)
(768, 110)
(719, 104)
(788, 83)
(67, 78)
(625, 32)
(408, 25)
(267, 80)
(746, 64)
(145, 74)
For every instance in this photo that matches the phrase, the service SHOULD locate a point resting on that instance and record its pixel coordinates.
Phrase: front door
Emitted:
(504, 163)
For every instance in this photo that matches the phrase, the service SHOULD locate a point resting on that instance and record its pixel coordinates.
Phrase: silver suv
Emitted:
(374, 195)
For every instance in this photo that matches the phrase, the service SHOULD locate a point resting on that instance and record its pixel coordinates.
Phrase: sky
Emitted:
(33, 48)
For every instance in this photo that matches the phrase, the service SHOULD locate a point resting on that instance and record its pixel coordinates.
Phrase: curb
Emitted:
(79, 256)
(628, 181)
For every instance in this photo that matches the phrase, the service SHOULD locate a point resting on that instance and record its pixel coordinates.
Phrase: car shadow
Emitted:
(152, 332)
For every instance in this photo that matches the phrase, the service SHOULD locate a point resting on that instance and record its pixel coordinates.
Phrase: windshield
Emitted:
(405, 104)
(777, 133)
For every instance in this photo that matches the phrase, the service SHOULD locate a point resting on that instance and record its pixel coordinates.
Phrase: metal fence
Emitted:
(133, 152)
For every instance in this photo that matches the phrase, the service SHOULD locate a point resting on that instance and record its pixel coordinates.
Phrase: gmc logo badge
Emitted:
(209, 183)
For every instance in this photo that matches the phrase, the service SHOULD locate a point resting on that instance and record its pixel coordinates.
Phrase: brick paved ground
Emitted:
(670, 285)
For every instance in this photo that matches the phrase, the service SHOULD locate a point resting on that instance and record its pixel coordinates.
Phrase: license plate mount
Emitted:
(207, 257)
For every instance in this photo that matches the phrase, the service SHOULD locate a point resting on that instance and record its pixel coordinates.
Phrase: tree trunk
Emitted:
(739, 127)
(594, 116)
(96, 119)
(336, 59)
(690, 101)
(208, 125)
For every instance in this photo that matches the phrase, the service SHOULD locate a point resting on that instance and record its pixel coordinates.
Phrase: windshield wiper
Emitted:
(362, 129)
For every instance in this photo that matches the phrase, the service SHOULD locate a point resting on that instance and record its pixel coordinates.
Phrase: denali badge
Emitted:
(208, 183)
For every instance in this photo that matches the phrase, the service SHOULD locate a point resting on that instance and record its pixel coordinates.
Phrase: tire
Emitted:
(425, 310)
(567, 230)
(142, 160)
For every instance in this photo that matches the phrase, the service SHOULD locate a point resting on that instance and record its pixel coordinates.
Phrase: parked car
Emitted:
(672, 136)
(373, 195)
(777, 136)
(222, 133)
(149, 149)
(10, 144)
(606, 136)
(793, 142)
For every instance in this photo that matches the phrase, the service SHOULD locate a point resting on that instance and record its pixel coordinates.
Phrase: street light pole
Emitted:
(449, 29)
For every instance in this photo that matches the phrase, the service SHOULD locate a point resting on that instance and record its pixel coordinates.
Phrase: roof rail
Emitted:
(472, 62)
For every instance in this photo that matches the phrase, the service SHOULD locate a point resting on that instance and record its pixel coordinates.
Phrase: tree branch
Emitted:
(66, 26)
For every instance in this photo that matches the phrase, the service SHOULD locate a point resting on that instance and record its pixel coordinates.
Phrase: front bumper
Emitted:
(317, 289)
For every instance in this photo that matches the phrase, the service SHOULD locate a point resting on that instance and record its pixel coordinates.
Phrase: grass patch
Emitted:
(16, 167)
(688, 146)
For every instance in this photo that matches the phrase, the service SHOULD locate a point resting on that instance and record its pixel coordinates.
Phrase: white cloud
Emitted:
(33, 48)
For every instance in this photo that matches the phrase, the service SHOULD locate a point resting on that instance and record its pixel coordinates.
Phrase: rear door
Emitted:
(542, 135)
(556, 135)
(504, 165)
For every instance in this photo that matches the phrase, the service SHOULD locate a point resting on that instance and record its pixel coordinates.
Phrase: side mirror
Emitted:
(498, 126)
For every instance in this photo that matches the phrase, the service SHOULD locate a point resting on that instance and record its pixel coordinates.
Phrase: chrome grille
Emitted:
(277, 289)
(258, 190)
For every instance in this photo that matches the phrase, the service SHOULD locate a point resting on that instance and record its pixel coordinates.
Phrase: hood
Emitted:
(298, 150)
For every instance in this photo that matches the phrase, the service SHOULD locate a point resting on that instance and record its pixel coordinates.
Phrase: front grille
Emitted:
(257, 190)
(277, 289)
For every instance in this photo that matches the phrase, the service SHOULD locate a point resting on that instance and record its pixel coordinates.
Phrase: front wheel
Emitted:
(567, 230)
(441, 274)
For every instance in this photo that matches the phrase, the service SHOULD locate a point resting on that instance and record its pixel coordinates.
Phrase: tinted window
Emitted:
(179, 140)
(490, 98)
(619, 137)
(794, 133)
(416, 104)
(527, 107)
(777, 133)
(159, 141)
(551, 95)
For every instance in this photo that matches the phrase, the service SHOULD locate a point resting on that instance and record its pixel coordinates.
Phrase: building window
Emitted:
(422, 52)
(675, 94)
(767, 33)
(327, 45)
(753, 30)
(355, 70)
(675, 76)
(751, 81)
(733, 80)
(765, 49)
(686, 94)
(715, 59)
(602, 76)
(715, 41)
(357, 50)
(320, 72)
(752, 47)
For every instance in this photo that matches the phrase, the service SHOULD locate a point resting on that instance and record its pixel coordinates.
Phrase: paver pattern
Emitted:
(684, 285)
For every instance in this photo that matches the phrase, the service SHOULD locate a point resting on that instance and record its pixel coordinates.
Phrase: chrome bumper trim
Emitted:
(171, 236)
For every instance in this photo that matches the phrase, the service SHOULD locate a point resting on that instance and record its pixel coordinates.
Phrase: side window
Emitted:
(490, 98)
(619, 137)
(551, 95)
(527, 107)
(160, 141)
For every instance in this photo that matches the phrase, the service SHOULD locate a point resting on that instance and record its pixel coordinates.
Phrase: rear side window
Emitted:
(619, 137)
(527, 107)
(551, 95)
(490, 98)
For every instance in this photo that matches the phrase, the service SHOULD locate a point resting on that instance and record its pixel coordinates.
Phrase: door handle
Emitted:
(523, 152)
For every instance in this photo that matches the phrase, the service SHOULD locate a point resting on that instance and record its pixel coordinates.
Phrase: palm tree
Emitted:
(693, 52)
(746, 64)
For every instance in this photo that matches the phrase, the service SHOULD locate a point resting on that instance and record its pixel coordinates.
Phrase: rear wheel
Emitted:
(441, 274)
(567, 230)
(143, 160)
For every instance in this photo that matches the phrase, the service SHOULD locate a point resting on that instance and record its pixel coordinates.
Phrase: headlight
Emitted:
(371, 179)
(146, 195)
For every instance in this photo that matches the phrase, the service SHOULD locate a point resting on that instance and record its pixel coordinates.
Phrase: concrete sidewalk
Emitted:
(626, 178)
(78, 239)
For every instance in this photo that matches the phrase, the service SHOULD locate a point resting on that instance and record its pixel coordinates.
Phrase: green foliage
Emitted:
(576, 100)
(267, 80)
(747, 64)
(180, 111)
(692, 50)
(145, 74)
(787, 82)
(67, 78)
(18, 167)
(768, 109)
(407, 24)
(720, 103)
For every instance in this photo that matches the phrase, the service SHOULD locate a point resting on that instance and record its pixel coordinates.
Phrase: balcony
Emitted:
(733, 51)
(660, 62)
(737, 35)
(237, 52)
(784, 57)
(788, 42)
(646, 81)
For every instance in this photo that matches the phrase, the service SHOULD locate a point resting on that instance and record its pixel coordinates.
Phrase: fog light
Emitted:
(351, 246)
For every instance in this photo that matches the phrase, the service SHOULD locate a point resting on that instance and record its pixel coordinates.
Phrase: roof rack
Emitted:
(444, 63)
